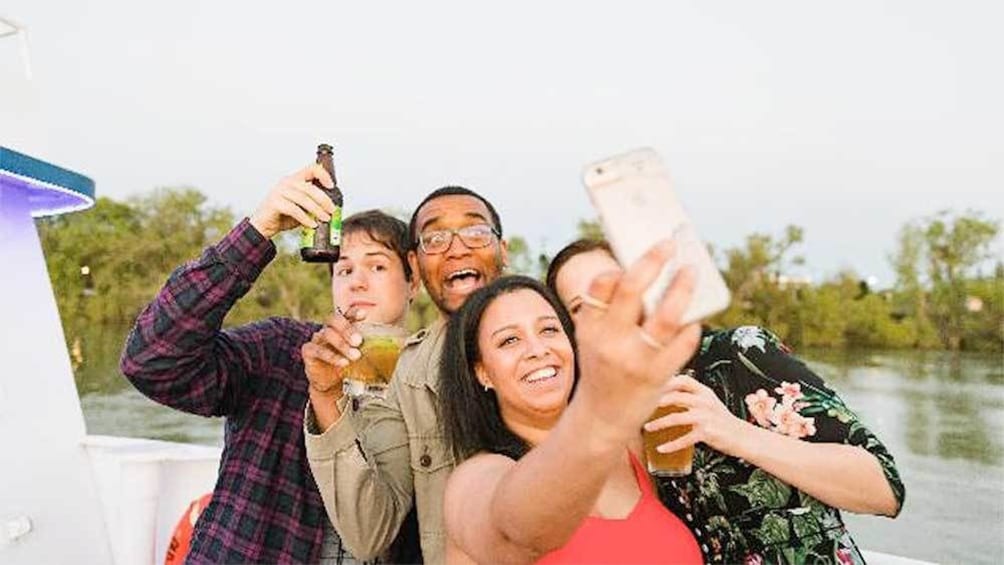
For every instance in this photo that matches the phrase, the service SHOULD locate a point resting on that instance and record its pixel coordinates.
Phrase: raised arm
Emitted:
(177, 354)
(500, 510)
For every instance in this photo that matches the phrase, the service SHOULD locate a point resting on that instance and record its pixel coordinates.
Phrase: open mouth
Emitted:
(463, 280)
(541, 375)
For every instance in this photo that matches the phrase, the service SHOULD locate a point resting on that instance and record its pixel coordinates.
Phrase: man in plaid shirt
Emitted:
(266, 507)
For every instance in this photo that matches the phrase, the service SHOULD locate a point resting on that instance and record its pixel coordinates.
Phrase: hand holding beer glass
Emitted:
(369, 375)
(690, 412)
(675, 463)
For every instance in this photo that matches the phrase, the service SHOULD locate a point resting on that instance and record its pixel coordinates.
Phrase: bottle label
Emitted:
(336, 226)
(307, 237)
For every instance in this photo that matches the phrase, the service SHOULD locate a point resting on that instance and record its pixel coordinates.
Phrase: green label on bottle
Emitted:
(307, 237)
(336, 226)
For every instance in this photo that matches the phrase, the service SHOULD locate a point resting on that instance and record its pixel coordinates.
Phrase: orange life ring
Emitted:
(181, 539)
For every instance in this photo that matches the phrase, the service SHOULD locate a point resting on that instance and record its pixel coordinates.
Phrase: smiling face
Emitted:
(451, 276)
(526, 357)
(573, 279)
(369, 276)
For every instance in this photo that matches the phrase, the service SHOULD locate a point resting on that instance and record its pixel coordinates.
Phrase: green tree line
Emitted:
(948, 294)
(107, 263)
(925, 308)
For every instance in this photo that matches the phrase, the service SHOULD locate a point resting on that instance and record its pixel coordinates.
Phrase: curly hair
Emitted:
(450, 191)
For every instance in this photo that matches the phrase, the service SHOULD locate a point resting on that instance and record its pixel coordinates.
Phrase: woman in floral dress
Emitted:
(777, 452)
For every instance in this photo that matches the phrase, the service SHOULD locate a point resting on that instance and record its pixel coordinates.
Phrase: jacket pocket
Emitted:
(429, 455)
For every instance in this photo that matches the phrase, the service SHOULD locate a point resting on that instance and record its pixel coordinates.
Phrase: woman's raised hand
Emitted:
(626, 358)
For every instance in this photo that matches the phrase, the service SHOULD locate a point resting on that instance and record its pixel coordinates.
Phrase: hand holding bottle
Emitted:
(295, 201)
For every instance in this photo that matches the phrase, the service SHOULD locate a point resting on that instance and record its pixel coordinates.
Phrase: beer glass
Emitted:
(369, 375)
(675, 464)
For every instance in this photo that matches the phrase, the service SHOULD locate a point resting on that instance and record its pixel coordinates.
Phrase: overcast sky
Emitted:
(847, 119)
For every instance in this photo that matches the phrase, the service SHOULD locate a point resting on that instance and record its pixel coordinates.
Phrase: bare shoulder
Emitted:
(473, 480)
(478, 472)
(471, 526)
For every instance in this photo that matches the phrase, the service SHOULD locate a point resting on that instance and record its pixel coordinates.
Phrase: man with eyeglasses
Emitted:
(373, 464)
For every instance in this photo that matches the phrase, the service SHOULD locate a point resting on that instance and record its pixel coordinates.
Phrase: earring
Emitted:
(486, 386)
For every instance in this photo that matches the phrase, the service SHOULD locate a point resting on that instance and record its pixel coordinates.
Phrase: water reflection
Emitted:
(942, 416)
(964, 430)
(951, 402)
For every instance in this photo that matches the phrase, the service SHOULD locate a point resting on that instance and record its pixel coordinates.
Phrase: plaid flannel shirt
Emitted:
(265, 507)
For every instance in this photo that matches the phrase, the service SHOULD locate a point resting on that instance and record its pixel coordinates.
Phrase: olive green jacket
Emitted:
(371, 464)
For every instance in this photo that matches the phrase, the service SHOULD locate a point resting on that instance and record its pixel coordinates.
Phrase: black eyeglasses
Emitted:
(474, 237)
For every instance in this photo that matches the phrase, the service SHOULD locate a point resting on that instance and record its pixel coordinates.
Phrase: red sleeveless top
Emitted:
(649, 534)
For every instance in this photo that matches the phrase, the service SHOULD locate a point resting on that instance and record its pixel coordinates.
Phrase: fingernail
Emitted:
(342, 362)
(356, 340)
(355, 354)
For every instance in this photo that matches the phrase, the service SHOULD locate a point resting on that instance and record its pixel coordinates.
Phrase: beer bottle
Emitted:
(323, 245)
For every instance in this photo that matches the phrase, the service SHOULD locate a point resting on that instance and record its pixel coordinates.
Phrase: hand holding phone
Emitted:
(638, 208)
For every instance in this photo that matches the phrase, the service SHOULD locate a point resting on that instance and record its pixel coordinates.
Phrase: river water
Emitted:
(941, 415)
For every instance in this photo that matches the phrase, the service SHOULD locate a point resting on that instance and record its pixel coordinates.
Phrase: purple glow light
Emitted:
(48, 189)
(43, 199)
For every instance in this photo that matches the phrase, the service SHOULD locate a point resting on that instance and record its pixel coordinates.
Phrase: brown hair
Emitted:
(384, 229)
(577, 247)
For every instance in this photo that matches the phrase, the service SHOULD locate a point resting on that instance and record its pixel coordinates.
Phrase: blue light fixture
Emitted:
(46, 189)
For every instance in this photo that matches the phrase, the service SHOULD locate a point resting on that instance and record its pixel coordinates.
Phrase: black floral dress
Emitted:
(738, 512)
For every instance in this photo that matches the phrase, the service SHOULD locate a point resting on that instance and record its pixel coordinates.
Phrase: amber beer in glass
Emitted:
(675, 464)
(371, 373)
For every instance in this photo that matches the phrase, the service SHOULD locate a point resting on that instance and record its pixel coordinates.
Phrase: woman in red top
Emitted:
(547, 478)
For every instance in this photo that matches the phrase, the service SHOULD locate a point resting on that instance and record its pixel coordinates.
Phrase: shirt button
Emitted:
(425, 460)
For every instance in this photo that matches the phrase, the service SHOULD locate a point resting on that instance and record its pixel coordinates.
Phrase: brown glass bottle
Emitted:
(324, 244)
